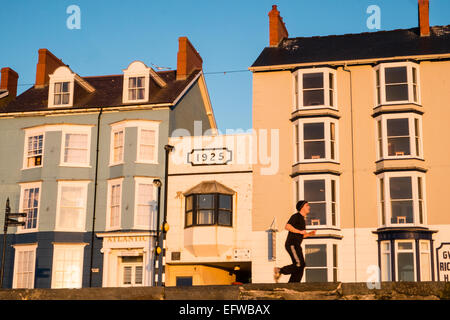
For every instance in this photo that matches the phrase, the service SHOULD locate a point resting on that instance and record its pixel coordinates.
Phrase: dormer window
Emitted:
(61, 95)
(61, 91)
(136, 82)
(136, 88)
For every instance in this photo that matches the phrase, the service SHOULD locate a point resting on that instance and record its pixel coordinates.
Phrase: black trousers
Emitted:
(298, 262)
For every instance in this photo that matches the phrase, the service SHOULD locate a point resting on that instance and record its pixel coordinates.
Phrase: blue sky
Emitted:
(228, 34)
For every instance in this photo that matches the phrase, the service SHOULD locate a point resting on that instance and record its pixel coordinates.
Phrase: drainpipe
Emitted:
(95, 196)
(353, 166)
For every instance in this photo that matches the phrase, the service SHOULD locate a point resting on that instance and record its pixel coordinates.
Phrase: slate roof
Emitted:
(368, 45)
(108, 93)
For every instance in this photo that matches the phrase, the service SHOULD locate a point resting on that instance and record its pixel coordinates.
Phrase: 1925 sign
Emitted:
(211, 156)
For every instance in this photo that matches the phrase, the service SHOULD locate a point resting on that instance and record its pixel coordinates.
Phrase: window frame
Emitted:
(381, 68)
(412, 250)
(75, 183)
(328, 178)
(416, 176)
(413, 120)
(24, 248)
(75, 246)
(216, 210)
(23, 187)
(328, 123)
(297, 85)
(75, 130)
(149, 181)
(111, 183)
(112, 161)
(332, 248)
(28, 134)
(150, 127)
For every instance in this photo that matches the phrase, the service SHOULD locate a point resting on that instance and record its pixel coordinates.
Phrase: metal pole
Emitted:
(168, 149)
(95, 197)
(157, 183)
(5, 231)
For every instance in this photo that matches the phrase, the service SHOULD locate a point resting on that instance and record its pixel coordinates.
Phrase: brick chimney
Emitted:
(277, 28)
(188, 59)
(9, 82)
(47, 63)
(424, 18)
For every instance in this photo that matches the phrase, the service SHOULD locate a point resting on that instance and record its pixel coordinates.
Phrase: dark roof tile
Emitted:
(108, 93)
(368, 45)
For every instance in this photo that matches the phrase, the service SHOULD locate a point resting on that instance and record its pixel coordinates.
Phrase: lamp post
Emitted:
(157, 183)
(9, 221)
(162, 231)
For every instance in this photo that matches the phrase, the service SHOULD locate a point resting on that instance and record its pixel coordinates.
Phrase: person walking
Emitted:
(297, 232)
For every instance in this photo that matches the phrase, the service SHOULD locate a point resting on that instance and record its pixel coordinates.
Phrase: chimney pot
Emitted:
(424, 18)
(9, 81)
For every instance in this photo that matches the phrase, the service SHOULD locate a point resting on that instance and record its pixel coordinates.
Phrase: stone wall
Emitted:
(284, 291)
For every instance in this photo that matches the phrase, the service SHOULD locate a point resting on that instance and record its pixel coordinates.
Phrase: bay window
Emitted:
(402, 198)
(397, 83)
(314, 88)
(399, 136)
(406, 260)
(321, 192)
(209, 209)
(321, 262)
(316, 140)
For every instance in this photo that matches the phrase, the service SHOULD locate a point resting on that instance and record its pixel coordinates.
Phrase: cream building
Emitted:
(209, 211)
(363, 136)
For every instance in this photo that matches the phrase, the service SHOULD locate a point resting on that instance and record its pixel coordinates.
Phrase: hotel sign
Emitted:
(210, 156)
(443, 262)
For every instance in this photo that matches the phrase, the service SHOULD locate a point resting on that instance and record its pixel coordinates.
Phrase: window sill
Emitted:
(207, 225)
(397, 107)
(400, 158)
(74, 165)
(146, 162)
(116, 164)
(25, 231)
(315, 112)
(32, 168)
